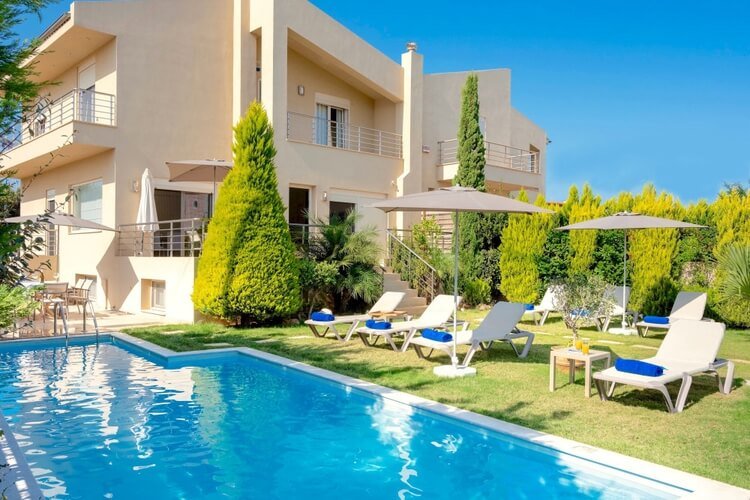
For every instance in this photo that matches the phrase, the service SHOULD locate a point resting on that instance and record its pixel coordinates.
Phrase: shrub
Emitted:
(583, 243)
(476, 292)
(731, 217)
(15, 302)
(522, 245)
(248, 267)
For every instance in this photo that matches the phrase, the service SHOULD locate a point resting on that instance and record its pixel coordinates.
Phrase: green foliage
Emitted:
(339, 268)
(579, 297)
(248, 267)
(476, 292)
(608, 256)
(734, 272)
(471, 152)
(583, 243)
(552, 265)
(523, 242)
(652, 251)
(15, 302)
(731, 217)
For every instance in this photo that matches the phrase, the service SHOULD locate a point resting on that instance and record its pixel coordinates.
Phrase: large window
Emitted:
(86, 201)
(331, 126)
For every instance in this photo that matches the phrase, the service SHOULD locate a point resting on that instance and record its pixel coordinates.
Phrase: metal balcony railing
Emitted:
(497, 155)
(337, 134)
(77, 105)
(170, 238)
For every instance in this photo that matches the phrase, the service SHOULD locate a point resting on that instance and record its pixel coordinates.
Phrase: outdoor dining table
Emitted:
(56, 298)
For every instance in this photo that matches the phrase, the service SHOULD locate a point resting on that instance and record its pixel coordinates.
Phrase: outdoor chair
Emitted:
(387, 303)
(689, 348)
(498, 326)
(687, 305)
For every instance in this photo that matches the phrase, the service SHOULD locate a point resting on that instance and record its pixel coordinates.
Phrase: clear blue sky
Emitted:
(629, 92)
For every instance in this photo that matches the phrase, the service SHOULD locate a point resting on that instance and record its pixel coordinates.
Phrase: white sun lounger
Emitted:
(388, 302)
(687, 305)
(498, 326)
(614, 293)
(540, 312)
(689, 348)
(437, 314)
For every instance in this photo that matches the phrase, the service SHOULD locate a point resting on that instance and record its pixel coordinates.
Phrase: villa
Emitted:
(142, 83)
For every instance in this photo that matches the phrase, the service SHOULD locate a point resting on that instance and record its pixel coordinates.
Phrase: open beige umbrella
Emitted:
(199, 171)
(456, 199)
(627, 221)
(58, 219)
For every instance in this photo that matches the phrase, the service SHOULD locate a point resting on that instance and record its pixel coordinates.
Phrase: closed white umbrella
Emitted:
(626, 221)
(147, 217)
(457, 199)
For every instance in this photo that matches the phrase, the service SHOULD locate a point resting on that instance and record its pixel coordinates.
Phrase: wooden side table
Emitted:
(572, 356)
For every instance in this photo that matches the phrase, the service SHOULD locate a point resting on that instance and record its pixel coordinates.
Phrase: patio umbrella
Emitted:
(626, 221)
(456, 199)
(199, 171)
(147, 216)
(58, 219)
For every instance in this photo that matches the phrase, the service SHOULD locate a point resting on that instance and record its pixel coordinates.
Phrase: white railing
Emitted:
(170, 238)
(77, 105)
(497, 155)
(333, 134)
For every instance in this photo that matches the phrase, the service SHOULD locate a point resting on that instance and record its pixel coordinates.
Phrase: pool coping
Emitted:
(699, 486)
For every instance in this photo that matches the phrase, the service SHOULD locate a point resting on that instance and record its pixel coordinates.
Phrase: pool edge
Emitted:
(699, 486)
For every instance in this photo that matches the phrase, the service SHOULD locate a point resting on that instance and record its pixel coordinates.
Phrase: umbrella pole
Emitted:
(455, 294)
(624, 275)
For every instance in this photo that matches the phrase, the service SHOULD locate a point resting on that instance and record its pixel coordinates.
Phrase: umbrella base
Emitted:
(623, 331)
(450, 371)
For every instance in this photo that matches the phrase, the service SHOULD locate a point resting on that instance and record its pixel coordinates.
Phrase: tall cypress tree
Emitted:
(479, 233)
(248, 268)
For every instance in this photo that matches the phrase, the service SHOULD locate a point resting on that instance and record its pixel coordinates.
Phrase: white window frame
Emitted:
(74, 202)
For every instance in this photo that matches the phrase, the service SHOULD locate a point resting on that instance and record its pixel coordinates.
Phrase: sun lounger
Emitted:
(437, 314)
(687, 305)
(498, 326)
(387, 303)
(689, 348)
(540, 312)
(614, 293)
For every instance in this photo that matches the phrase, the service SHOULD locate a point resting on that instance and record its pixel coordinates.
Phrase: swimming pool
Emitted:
(115, 421)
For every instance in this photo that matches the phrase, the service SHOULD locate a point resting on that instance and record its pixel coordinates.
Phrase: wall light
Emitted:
(325, 195)
(136, 186)
(300, 90)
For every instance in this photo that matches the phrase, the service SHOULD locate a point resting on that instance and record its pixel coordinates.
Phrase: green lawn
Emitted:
(710, 438)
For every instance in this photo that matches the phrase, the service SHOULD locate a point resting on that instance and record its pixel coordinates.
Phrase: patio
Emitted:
(108, 321)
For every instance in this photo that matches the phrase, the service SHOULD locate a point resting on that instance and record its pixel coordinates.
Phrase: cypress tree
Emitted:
(475, 229)
(248, 267)
(583, 243)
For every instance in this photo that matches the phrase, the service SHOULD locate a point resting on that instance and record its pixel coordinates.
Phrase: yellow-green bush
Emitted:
(583, 243)
(248, 267)
(731, 217)
(652, 252)
(522, 244)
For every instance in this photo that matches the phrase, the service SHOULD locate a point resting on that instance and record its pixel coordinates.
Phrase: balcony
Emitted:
(76, 125)
(496, 155)
(171, 238)
(341, 135)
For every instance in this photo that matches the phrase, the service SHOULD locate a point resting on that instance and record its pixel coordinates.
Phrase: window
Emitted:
(483, 126)
(533, 158)
(86, 201)
(339, 210)
(331, 126)
(51, 236)
(158, 296)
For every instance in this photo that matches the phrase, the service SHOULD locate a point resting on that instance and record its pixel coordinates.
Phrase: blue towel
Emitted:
(322, 316)
(580, 312)
(529, 307)
(638, 367)
(378, 325)
(436, 335)
(656, 320)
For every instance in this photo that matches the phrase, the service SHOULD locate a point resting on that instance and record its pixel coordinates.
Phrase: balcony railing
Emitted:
(171, 238)
(77, 105)
(497, 155)
(337, 134)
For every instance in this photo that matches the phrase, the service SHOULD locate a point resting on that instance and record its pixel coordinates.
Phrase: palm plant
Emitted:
(353, 254)
(734, 272)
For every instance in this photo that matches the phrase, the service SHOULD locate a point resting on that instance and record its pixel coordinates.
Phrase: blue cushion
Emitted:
(580, 312)
(656, 320)
(529, 307)
(378, 325)
(322, 316)
(638, 367)
(436, 335)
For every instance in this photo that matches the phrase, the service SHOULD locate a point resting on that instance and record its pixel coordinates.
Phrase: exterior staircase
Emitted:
(413, 304)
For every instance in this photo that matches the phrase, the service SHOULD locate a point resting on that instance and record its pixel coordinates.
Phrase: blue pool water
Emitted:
(100, 421)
